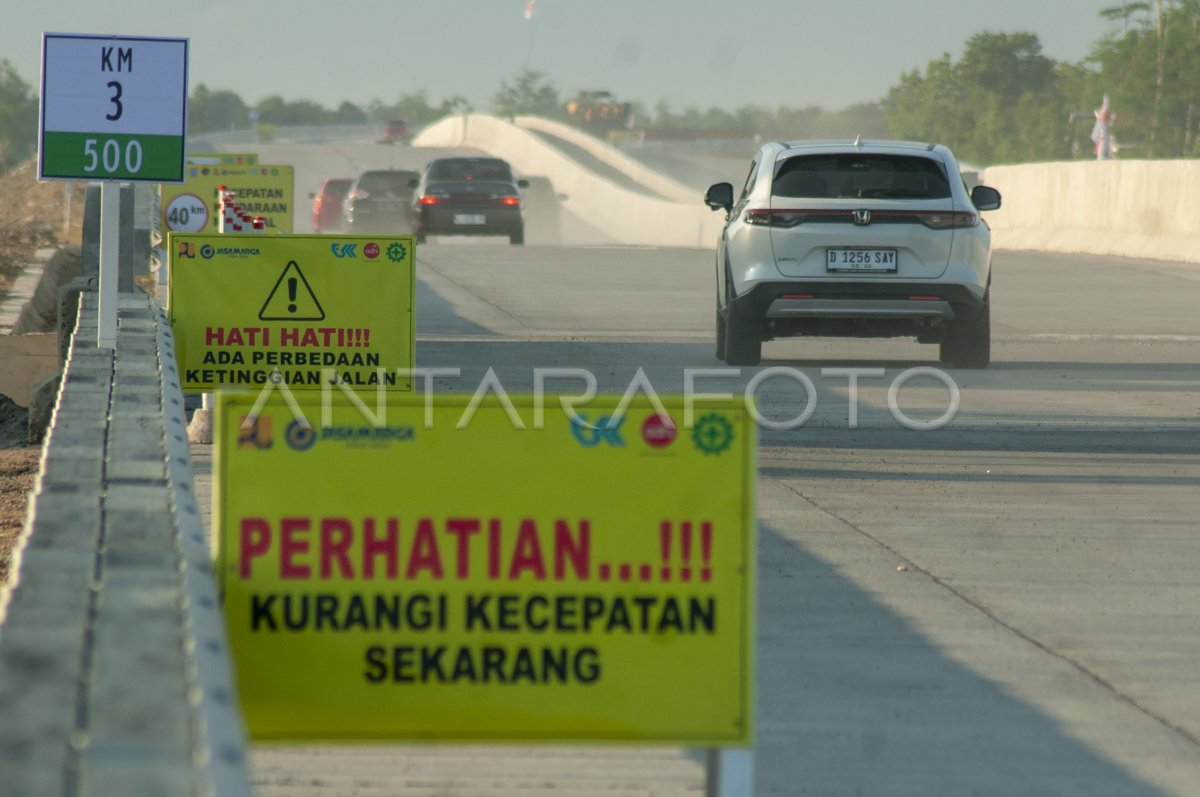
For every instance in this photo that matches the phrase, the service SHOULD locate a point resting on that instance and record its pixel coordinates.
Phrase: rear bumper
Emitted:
(853, 309)
(856, 299)
(378, 223)
(496, 221)
(325, 218)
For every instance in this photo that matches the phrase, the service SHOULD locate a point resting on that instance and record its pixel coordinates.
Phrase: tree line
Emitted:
(1001, 101)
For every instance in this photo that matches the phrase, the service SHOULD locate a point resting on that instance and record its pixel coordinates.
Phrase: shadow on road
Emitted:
(861, 702)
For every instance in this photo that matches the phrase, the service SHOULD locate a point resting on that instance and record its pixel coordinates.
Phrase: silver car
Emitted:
(854, 239)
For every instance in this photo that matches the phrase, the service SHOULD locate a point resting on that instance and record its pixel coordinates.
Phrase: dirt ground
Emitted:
(31, 217)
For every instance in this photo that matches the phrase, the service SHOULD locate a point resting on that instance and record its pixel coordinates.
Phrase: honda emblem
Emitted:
(862, 217)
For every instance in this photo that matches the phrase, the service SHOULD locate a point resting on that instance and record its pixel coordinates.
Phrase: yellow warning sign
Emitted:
(292, 298)
(266, 191)
(310, 311)
(404, 573)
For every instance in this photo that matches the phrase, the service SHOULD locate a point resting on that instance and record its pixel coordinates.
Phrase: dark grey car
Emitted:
(469, 196)
(380, 201)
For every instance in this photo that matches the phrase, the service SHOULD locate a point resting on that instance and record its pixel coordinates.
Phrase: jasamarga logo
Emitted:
(236, 251)
(368, 434)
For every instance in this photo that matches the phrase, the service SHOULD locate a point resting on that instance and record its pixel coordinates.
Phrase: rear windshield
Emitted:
(396, 182)
(470, 169)
(860, 175)
(337, 187)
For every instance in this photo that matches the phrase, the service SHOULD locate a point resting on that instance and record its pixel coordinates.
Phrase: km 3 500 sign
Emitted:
(113, 108)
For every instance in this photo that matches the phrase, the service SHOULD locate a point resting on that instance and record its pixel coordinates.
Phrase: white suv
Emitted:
(854, 239)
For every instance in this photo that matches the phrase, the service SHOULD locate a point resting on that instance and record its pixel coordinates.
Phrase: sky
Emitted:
(689, 53)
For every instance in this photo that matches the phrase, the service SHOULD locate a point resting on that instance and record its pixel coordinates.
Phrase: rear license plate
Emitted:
(470, 218)
(860, 259)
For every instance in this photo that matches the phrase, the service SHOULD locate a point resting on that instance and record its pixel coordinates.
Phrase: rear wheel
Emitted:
(517, 237)
(740, 343)
(420, 236)
(968, 344)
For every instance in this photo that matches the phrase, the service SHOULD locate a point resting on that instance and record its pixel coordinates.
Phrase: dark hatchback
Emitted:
(469, 196)
(380, 201)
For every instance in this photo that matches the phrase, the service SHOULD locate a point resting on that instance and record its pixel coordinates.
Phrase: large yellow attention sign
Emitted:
(195, 205)
(305, 310)
(400, 577)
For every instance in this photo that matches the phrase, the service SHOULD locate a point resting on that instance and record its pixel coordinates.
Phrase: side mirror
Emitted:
(522, 183)
(985, 197)
(719, 197)
(312, 194)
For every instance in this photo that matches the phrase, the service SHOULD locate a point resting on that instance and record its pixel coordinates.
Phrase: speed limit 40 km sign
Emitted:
(113, 108)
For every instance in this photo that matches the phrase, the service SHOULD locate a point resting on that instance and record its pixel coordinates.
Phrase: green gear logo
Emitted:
(713, 434)
(397, 251)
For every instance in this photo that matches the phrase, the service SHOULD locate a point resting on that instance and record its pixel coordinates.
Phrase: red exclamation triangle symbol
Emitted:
(706, 551)
(664, 541)
(685, 545)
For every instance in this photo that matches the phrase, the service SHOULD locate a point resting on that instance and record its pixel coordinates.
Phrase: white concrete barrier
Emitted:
(1143, 209)
(627, 216)
(633, 169)
(115, 672)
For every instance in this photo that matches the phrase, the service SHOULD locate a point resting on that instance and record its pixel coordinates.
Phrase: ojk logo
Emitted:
(592, 435)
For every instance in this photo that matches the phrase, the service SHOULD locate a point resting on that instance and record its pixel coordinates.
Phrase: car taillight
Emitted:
(949, 220)
(777, 218)
(510, 201)
(790, 217)
(429, 199)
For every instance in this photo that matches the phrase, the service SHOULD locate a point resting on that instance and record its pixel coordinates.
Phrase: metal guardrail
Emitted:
(115, 675)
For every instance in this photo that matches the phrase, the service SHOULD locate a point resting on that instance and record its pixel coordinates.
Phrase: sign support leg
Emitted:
(110, 231)
(729, 772)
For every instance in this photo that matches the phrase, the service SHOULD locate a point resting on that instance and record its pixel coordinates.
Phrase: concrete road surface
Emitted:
(1008, 605)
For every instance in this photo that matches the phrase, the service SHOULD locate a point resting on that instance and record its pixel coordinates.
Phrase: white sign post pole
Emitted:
(110, 231)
